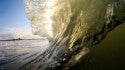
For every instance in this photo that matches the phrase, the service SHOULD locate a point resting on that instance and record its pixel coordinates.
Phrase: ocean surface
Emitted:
(20, 52)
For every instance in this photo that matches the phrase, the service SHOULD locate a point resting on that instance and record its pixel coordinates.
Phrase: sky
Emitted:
(13, 19)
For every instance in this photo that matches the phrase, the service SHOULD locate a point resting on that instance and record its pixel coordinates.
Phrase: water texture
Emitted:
(75, 26)
(14, 54)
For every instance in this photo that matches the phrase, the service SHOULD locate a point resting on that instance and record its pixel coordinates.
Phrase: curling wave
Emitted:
(73, 26)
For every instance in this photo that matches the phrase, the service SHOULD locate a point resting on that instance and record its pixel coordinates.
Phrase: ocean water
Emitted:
(77, 24)
(20, 52)
(110, 53)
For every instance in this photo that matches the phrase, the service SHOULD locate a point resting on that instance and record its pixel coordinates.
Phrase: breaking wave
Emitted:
(73, 26)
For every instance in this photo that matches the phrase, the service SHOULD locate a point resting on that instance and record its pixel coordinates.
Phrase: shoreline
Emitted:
(20, 39)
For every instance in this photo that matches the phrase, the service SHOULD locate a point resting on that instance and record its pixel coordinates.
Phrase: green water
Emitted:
(76, 26)
(110, 53)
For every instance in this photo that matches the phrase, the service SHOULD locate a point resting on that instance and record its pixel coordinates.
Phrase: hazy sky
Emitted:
(13, 18)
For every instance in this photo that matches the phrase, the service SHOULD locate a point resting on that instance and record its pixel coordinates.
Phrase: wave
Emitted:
(73, 26)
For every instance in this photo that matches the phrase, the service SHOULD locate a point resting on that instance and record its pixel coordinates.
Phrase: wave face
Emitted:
(73, 26)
